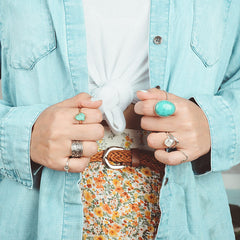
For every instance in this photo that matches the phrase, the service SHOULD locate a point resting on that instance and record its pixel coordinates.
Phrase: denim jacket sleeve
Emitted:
(224, 107)
(15, 135)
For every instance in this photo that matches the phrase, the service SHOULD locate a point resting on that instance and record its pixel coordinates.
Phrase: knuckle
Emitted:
(84, 164)
(195, 136)
(188, 125)
(136, 107)
(167, 158)
(50, 163)
(82, 96)
(172, 163)
(192, 137)
(144, 124)
(56, 117)
(52, 135)
(185, 108)
(157, 155)
(145, 108)
(50, 155)
(173, 160)
(93, 148)
(58, 113)
(99, 116)
(99, 131)
(81, 168)
(52, 117)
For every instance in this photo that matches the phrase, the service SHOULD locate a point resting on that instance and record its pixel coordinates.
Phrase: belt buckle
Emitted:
(105, 160)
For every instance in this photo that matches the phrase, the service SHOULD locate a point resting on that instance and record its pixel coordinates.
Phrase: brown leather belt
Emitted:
(118, 158)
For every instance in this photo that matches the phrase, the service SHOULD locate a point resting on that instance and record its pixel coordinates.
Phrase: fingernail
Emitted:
(158, 87)
(143, 91)
(94, 99)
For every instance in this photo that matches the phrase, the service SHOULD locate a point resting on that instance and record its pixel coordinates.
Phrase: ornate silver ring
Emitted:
(171, 141)
(77, 148)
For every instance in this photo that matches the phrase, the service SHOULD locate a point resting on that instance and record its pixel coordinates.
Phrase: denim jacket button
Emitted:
(157, 40)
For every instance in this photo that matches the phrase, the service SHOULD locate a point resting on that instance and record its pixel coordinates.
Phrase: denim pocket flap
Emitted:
(27, 32)
(209, 23)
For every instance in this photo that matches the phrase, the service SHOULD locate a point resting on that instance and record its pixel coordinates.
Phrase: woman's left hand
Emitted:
(188, 125)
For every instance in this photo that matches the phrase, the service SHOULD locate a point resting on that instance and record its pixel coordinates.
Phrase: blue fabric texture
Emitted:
(44, 61)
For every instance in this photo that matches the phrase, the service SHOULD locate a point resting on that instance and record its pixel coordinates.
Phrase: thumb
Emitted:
(79, 101)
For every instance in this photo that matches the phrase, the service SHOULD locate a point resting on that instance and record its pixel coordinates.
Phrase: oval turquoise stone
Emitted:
(164, 108)
(80, 117)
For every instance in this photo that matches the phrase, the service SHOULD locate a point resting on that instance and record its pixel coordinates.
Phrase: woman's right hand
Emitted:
(56, 127)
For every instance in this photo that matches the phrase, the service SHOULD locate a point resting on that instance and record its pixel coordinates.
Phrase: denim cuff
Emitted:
(223, 136)
(15, 137)
(203, 163)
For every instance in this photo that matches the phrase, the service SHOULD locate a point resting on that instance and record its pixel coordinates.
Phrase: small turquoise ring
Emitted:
(80, 116)
(164, 108)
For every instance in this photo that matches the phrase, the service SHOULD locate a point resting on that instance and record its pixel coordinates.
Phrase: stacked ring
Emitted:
(164, 108)
(186, 156)
(66, 167)
(77, 148)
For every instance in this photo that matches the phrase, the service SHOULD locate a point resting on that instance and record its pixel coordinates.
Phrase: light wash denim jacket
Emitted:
(43, 61)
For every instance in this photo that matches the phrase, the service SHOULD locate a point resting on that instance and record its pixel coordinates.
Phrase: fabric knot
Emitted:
(116, 97)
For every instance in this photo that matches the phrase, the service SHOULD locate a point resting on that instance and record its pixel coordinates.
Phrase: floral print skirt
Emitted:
(121, 204)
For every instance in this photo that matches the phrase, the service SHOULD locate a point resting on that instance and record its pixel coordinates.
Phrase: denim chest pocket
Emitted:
(209, 24)
(27, 32)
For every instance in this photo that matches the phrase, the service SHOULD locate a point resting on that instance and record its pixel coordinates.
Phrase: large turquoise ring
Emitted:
(164, 108)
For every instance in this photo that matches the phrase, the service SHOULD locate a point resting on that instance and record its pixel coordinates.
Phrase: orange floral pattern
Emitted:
(120, 203)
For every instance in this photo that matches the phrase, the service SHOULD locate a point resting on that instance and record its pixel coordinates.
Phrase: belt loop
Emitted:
(135, 157)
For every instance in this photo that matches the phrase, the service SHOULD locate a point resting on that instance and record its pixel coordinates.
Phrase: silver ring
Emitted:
(170, 141)
(66, 167)
(186, 156)
(77, 148)
(166, 94)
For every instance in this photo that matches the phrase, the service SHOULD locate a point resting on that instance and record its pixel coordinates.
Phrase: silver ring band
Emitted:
(66, 167)
(77, 148)
(186, 156)
(166, 94)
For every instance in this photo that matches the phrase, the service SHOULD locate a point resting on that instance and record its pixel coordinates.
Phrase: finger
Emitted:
(90, 104)
(89, 148)
(155, 93)
(157, 140)
(91, 115)
(71, 102)
(160, 124)
(75, 165)
(80, 100)
(86, 132)
(172, 158)
(147, 108)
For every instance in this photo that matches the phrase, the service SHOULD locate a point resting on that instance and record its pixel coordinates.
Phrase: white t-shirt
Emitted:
(117, 54)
